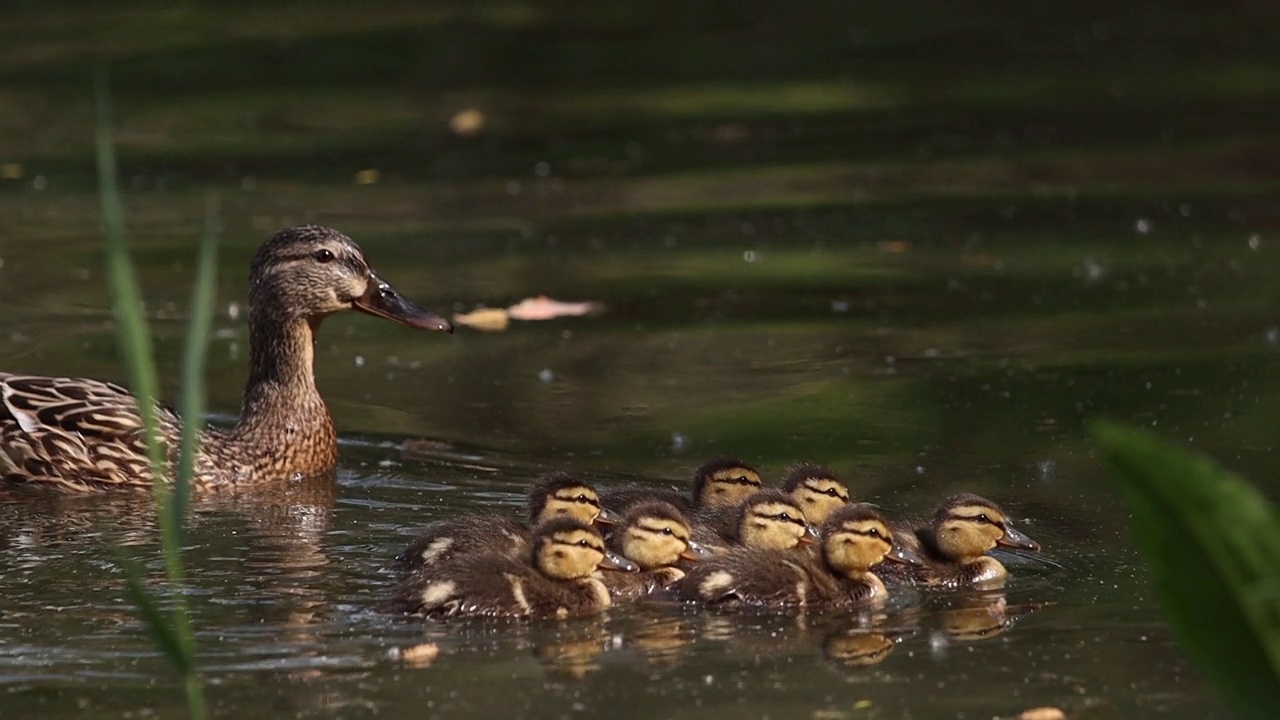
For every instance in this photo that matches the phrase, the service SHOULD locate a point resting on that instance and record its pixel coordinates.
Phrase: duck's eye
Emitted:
(784, 517)
(324, 256)
(582, 498)
(874, 532)
(983, 518)
(833, 492)
(584, 543)
(667, 531)
(386, 292)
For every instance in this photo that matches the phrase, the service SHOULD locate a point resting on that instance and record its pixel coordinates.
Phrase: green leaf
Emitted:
(157, 626)
(1213, 544)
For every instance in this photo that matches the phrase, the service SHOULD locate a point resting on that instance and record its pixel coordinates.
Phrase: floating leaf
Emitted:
(1213, 544)
(544, 308)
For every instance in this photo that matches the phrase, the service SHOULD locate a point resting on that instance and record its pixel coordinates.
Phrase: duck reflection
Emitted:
(856, 648)
(968, 618)
(570, 651)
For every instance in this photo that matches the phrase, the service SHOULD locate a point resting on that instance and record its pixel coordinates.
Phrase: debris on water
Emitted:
(546, 376)
(486, 319)
(359, 361)
(421, 655)
(679, 441)
(233, 310)
(1142, 226)
(1042, 713)
(467, 122)
(424, 446)
(840, 306)
(544, 308)
(1272, 335)
(368, 176)
(1255, 241)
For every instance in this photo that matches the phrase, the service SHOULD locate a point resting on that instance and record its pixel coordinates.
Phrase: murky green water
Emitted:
(923, 244)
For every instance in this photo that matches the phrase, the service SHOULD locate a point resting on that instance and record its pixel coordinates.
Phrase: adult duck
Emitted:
(82, 434)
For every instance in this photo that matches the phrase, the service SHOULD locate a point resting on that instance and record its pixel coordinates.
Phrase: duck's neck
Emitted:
(281, 405)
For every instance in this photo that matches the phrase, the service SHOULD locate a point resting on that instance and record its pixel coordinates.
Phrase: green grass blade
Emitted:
(134, 338)
(191, 405)
(164, 636)
(1213, 544)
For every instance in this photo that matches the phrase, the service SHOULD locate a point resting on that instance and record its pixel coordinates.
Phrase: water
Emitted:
(923, 245)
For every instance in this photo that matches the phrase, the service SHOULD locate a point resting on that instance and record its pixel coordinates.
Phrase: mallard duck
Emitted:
(556, 580)
(84, 434)
(954, 544)
(719, 482)
(555, 495)
(767, 520)
(655, 536)
(817, 488)
(854, 540)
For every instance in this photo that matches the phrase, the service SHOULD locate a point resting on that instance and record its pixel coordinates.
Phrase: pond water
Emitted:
(924, 245)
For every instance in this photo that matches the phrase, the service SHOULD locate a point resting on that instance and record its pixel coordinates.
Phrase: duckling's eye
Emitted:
(784, 517)
(324, 256)
(833, 492)
(667, 531)
(874, 532)
(983, 518)
(584, 543)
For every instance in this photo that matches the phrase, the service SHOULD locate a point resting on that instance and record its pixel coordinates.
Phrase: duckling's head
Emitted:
(656, 535)
(310, 272)
(771, 520)
(563, 495)
(966, 526)
(567, 549)
(855, 538)
(724, 482)
(818, 490)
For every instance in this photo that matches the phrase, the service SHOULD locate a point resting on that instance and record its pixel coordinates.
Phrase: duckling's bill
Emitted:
(904, 555)
(1013, 538)
(810, 535)
(697, 551)
(382, 300)
(608, 517)
(614, 561)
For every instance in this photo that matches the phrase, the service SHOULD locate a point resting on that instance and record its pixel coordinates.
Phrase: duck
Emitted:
(721, 481)
(855, 539)
(955, 543)
(557, 494)
(655, 536)
(558, 578)
(817, 488)
(769, 520)
(80, 434)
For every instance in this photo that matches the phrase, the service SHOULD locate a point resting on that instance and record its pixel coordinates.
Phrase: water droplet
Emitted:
(1255, 241)
(1143, 226)
(546, 376)
(360, 361)
(749, 256)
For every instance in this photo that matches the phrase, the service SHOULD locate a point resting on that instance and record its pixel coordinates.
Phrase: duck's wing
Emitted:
(78, 433)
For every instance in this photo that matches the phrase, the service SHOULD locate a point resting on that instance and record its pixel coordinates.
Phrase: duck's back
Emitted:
(635, 585)
(758, 578)
(472, 535)
(493, 586)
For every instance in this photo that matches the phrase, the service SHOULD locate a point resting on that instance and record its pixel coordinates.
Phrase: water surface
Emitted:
(922, 245)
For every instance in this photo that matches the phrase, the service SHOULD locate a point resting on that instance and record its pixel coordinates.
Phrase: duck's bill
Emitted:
(904, 555)
(1014, 539)
(608, 517)
(810, 535)
(697, 551)
(614, 561)
(382, 300)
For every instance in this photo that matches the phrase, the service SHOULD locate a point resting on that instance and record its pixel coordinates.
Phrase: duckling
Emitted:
(556, 580)
(817, 488)
(719, 482)
(854, 540)
(554, 495)
(84, 435)
(954, 544)
(768, 520)
(655, 536)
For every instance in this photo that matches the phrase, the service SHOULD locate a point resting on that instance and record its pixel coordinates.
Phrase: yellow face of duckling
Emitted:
(567, 550)
(967, 526)
(854, 546)
(656, 542)
(579, 502)
(819, 497)
(723, 482)
(310, 272)
(770, 521)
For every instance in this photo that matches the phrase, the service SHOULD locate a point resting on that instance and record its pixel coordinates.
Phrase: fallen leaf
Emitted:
(418, 655)
(1043, 713)
(488, 319)
(467, 123)
(544, 308)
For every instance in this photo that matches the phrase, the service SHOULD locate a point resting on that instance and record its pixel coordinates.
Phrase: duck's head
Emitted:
(563, 495)
(818, 490)
(771, 520)
(855, 538)
(566, 549)
(310, 272)
(724, 482)
(966, 526)
(656, 535)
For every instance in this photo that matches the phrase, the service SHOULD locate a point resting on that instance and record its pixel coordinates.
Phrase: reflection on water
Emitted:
(922, 244)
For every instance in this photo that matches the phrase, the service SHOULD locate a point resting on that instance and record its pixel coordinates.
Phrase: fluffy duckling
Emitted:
(854, 540)
(719, 482)
(552, 496)
(817, 488)
(954, 544)
(655, 536)
(768, 520)
(557, 579)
